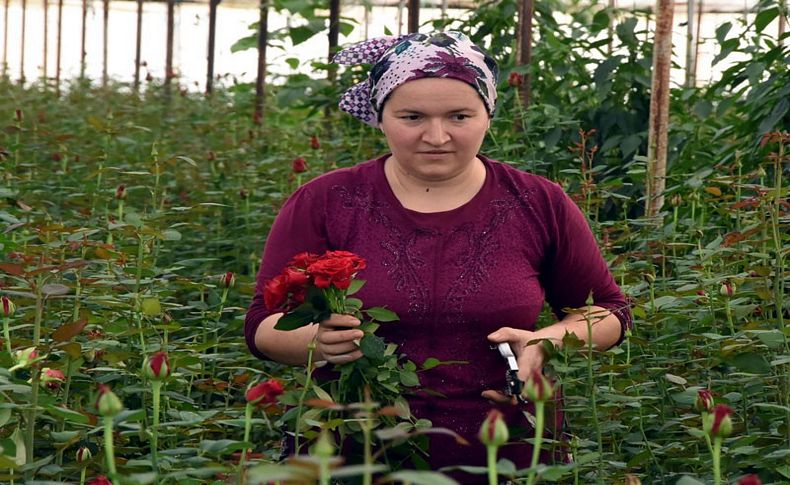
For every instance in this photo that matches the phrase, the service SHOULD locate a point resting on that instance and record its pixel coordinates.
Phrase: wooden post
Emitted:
(659, 110)
(5, 40)
(333, 37)
(82, 42)
(260, 82)
(22, 47)
(46, 41)
(691, 51)
(105, 36)
(610, 29)
(697, 36)
(137, 45)
(524, 38)
(414, 16)
(401, 5)
(212, 33)
(444, 10)
(171, 7)
(58, 52)
(366, 18)
(782, 25)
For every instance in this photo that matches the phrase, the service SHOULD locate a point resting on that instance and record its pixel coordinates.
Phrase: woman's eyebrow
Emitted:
(415, 111)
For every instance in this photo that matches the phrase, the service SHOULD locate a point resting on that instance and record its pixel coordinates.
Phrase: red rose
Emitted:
(333, 271)
(355, 260)
(264, 393)
(750, 480)
(275, 292)
(100, 480)
(299, 165)
(314, 144)
(303, 260)
(515, 80)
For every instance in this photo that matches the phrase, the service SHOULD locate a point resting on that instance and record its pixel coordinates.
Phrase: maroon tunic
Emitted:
(453, 277)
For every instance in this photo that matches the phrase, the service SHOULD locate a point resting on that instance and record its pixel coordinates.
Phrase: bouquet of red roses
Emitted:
(311, 287)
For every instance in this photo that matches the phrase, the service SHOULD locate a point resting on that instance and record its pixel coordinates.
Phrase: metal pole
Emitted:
(46, 41)
(414, 16)
(82, 42)
(138, 43)
(106, 21)
(22, 56)
(171, 5)
(60, 37)
(212, 32)
(691, 75)
(401, 5)
(782, 14)
(5, 41)
(263, 37)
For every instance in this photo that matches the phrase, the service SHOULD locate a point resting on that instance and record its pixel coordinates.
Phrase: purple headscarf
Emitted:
(397, 60)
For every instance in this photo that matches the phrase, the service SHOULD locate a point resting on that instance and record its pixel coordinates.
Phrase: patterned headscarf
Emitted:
(397, 60)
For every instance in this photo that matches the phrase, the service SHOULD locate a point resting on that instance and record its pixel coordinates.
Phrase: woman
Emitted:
(463, 248)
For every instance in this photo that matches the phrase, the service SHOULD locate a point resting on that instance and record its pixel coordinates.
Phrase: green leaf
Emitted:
(418, 477)
(346, 28)
(355, 286)
(687, 480)
(223, 446)
(301, 34)
(249, 42)
(295, 319)
(764, 18)
(382, 314)
(722, 30)
(372, 346)
(751, 362)
(171, 235)
(67, 414)
(409, 378)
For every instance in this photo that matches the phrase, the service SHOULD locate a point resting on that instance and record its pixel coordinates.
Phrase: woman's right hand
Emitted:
(335, 339)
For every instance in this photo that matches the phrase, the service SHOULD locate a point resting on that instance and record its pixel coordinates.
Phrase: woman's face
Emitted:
(434, 127)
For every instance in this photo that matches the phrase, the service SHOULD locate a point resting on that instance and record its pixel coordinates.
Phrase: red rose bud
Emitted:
(494, 431)
(18, 114)
(100, 480)
(120, 192)
(52, 378)
(704, 401)
(303, 260)
(7, 306)
(244, 194)
(84, 454)
(515, 80)
(727, 289)
(264, 393)
(314, 144)
(228, 280)
(537, 387)
(299, 165)
(108, 403)
(56, 156)
(157, 366)
(750, 480)
(718, 423)
(25, 357)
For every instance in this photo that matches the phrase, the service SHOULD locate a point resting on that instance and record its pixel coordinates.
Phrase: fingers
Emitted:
(497, 397)
(340, 321)
(504, 334)
(335, 339)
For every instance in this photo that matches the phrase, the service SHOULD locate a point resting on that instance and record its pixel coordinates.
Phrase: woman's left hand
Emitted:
(529, 357)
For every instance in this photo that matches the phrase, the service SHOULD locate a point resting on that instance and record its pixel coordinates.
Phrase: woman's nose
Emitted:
(435, 133)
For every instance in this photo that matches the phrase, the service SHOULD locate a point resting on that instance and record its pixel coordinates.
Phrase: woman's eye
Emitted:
(460, 117)
(411, 117)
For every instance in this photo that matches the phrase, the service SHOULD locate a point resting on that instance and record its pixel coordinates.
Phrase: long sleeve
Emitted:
(574, 266)
(298, 227)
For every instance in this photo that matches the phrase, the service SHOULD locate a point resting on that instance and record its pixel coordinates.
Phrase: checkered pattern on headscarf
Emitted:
(397, 60)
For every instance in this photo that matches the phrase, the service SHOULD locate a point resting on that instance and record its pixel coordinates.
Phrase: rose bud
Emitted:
(702, 297)
(120, 192)
(299, 165)
(649, 278)
(704, 401)
(632, 480)
(227, 280)
(52, 378)
(149, 77)
(323, 447)
(515, 80)
(157, 366)
(56, 156)
(244, 194)
(264, 393)
(7, 306)
(718, 423)
(676, 200)
(83, 454)
(25, 357)
(750, 480)
(537, 387)
(493, 431)
(108, 403)
(100, 480)
(314, 144)
(19, 116)
(727, 289)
